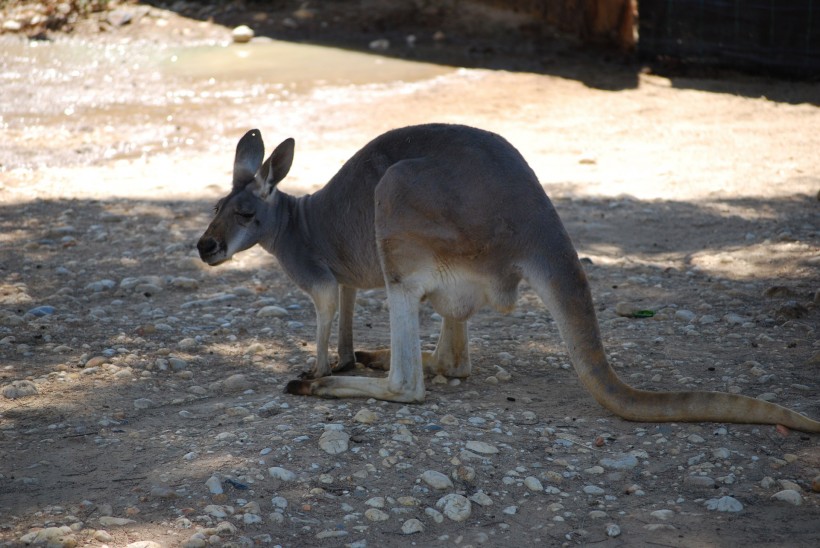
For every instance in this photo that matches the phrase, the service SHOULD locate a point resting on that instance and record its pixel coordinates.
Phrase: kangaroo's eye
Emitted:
(244, 215)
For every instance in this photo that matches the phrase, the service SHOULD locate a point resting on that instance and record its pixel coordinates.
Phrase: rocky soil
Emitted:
(141, 394)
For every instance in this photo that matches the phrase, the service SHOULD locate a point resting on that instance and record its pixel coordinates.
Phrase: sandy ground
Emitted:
(694, 195)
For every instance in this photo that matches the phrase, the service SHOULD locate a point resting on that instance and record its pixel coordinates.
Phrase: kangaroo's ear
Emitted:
(276, 167)
(249, 155)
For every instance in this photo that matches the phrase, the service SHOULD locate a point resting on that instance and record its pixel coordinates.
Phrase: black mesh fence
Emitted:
(779, 36)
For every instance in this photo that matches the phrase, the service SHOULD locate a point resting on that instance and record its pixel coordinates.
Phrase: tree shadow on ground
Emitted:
(84, 435)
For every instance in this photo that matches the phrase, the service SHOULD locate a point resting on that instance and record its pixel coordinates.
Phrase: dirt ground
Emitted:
(142, 394)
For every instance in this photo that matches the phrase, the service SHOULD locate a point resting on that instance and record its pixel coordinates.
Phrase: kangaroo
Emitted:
(450, 214)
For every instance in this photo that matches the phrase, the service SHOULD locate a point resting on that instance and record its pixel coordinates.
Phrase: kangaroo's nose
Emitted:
(206, 246)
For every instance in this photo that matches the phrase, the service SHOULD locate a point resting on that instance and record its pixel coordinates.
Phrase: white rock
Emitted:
(481, 498)
(434, 514)
(412, 526)
(593, 490)
(789, 495)
(242, 34)
(365, 416)
(456, 507)
(214, 485)
(613, 530)
(334, 441)
(375, 502)
(481, 447)
(19, 389)
(374, 514)
(533, 484)
(271, 312)
(436, 480)
(662, 514)
(724, 504)
(281, 473)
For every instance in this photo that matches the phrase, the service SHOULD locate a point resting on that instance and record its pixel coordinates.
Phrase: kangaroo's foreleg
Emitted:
(347, 303)
(326, 302)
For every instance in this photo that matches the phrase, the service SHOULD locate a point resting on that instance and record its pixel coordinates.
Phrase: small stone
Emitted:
(662, 514)
(685, 315)
(119, 17)
(510, 510)
(482, 499)
(334, 442)
(619, 462)
(434, 514)
(412, 526)
(788, 495)
(101, 535)
(365, 416)
(613, 530)
(533, 484)
(436, 480)
(374, 514)
(381, 44)
(236, 383)
(19, 389)
(815, 484)
(699, 481)
(214, 485)
(187, 343)
(163, 492)
(281, 473)
(100, 286)
(143, 403)
(481, 447)
(271, 312)
(242, 34)
(593, 490)
(456, 507)
(724, 504)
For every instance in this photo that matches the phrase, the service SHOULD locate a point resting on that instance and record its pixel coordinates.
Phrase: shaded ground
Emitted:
(686, 195)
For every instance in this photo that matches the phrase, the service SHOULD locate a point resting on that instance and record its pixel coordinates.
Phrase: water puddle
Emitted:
(297, 66)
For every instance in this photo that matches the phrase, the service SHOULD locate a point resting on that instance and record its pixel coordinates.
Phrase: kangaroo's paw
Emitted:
(374, 359)
(299, 387)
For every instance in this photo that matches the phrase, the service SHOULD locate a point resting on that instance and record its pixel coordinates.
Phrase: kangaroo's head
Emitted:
(240, 218)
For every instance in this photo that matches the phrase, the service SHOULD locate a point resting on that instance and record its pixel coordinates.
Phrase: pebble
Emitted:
(724, 504)
(19, 389)
(788, 495)
(365, 416)
(143, 403)
(271, 311)
(699, 481)
(619, 462)
(533, 484)
(242, 34)
(436, 480)
(281, 473)
(482, 499)
(374, 514)
(412, 526)
(662, 514)
(334, 442)
(214, 485)
(593, 490)
(51, 536)
(236, 383)
(454, 506)
(481, 447)
(613, 530)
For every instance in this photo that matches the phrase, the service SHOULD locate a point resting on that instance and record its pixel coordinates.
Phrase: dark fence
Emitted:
(777, 36)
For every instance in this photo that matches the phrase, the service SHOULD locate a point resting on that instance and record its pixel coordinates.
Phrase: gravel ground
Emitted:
(141, 394)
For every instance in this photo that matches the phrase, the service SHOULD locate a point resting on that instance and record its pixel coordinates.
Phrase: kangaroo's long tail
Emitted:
(562, 285)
